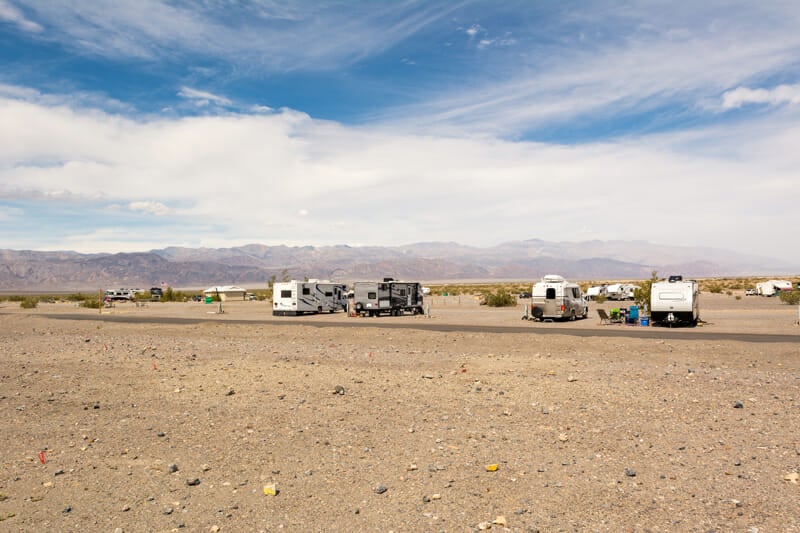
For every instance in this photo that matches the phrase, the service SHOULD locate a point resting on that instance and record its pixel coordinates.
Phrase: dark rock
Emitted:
(738, 405)
(193, 482)
(630, 472)
(380, 489)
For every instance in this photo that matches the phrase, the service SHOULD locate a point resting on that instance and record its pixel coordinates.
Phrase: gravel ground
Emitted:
(159, 427)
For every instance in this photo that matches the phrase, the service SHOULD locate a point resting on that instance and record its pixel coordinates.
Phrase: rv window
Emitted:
(372, 295)
(670, 296)
(383, 287)
(306, 291)
(328, 294)
(286, 294)
(550, 294)
(402, 292)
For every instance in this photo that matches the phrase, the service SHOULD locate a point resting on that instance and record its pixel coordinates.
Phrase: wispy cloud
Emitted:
(277, 35)
(149, 207)
(782, 94)
(636, 61)
(11, 14)
(203, 98)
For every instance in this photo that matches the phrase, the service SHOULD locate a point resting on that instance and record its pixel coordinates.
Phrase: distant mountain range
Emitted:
(253, 265)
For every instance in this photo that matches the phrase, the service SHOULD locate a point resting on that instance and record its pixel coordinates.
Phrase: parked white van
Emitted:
(556, 298)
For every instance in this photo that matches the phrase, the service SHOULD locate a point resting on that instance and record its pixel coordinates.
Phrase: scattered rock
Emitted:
(572, 379)
(67, 509)
(172, 468)
(792, 477)
(168, 511)
(738, 405)
(630, 472)
(59, 472)
(380, 489)
(338, 389)
(193, 482)
(500, 521)
(230, 392)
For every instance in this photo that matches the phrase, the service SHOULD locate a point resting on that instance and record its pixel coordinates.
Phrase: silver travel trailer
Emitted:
(555, 298)
(675, 302)
(374, 298)
(292, 298)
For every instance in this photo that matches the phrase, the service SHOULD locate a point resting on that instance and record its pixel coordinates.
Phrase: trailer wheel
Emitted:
(572, 315)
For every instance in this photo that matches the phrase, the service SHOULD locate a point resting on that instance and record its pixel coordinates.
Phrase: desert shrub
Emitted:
(76, 297)
(91, 303)
(715, 288)
(790, 297)
(729, 293)
(500, 298)
(16, 298)
(29, 303)
(738, 296)
(642, 294)
(600, 298)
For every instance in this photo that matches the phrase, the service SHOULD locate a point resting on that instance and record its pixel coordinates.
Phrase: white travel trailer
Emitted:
(556, 298)
(621, 291)
(594, 292)
(374, 298)
(772, 287)
(675, 302)
(294, 298)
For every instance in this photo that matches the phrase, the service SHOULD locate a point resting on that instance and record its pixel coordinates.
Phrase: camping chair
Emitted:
(604, 318)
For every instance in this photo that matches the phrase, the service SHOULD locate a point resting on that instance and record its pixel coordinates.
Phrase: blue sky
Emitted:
(137, 125)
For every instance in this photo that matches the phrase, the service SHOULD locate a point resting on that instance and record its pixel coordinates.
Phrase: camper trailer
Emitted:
(772, 287)
(374, 298)
(294, 298)
(621, 291)
(556, 298)
(593, 293)
(674, 302)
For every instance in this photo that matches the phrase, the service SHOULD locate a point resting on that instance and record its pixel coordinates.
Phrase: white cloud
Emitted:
(203, 98)
(473, 30)
(11, 14)
(149, 207)
(782, 94)
(286, 178)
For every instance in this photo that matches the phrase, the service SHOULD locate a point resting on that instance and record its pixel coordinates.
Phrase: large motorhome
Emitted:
(374, 298)
(292, 298)
(556, 298)
(675, 302)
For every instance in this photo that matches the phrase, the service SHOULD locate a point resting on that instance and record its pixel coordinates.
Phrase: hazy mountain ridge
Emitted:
(254, 264)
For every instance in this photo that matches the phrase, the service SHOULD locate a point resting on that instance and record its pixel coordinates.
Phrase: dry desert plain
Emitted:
(171, 417)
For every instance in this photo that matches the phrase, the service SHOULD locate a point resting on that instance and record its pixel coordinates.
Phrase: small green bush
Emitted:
(790, 297)
(91, 303)
(600, 298)
(500, 298)
(29, 303)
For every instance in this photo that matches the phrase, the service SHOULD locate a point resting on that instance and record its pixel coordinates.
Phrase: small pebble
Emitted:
(172, 468)
(380, 489)
(193, 482)
(630, 472)
(738, 405)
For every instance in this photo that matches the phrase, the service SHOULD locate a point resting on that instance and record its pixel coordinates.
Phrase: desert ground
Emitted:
(187, 419)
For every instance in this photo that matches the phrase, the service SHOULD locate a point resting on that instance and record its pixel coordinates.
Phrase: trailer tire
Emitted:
(572, 316)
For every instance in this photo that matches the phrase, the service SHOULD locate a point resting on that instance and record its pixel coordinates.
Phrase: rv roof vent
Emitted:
(553, 278)
(673, 279)
(388, 279)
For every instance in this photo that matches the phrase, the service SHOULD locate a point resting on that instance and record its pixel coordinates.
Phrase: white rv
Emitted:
(598, 290)
(556, 298)
(675, 302)
(772, 287)
(374, 298)
(621, 291)
(294, 298)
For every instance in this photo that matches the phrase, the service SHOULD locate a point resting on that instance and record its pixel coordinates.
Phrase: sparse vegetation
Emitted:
(30, 302)
(790, 297)
(500, 298)
(91, 303)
